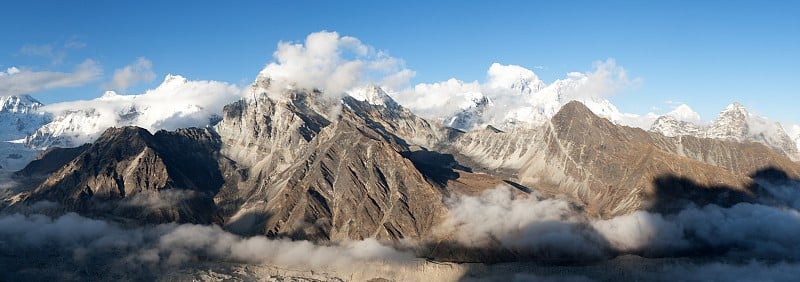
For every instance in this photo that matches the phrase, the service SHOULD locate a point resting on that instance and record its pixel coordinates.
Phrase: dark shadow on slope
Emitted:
(776, 188)
(49, 161)
(674, 193)
(436, 167)
(518, 186)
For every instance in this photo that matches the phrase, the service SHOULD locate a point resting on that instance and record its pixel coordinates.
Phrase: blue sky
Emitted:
(703, 54)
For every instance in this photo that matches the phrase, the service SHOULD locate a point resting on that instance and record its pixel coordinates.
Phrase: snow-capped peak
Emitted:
(685, 113)
(21, 104)
(732, 123)
(173, 80)
(373, 95)
(109, 94)
(514, 77)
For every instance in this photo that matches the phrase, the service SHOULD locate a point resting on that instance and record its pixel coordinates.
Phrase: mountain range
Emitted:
(303, 164)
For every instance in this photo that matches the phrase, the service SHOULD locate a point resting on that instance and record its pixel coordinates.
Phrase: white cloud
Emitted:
(176, 103)
(74, 43)
(45, 51)
(139, 71)
(22, 81)
(170, 245)
(332, 63)
(685, 113)
(504, 76)
(520, 98)
(530, 223)
(438, 99)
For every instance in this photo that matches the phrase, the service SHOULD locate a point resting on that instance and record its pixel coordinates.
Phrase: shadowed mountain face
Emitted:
(170, 176)
(305, 166)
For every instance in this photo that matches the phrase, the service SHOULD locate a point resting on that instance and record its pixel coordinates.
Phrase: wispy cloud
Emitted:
(47, 51)
(15, 81)
(74, 43)
(139, 71)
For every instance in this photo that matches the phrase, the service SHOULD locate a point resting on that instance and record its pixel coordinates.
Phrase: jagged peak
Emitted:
(374, 95)
(173, 79)
(19, 104)
(735, 108)
(574, 109)
(124, 133)
(109, 94)
(514, 77)
(684, 113)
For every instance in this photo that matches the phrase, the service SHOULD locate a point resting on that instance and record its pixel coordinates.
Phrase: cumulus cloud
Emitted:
(15, 81)
(333, 63)
(441, 98)
(139, 71)
(519, 97)
(685, 113)
(176, 103)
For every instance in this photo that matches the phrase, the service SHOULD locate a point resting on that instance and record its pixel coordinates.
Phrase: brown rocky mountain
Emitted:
(614, 170)
(307, 166)
(128, 172)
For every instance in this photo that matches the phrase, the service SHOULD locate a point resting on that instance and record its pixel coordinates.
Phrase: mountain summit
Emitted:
(734, 123)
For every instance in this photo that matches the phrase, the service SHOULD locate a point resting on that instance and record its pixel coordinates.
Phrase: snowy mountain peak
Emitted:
(471, 114)
(374, 95)
(21, 104)
(173, 80)
(514, 77)
(109, 94)
(685, 113)
(732, 123)
(735, 110)
(668, 125)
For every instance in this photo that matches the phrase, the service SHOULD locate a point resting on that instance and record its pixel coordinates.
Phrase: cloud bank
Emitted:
(90, 243)
(545, 227)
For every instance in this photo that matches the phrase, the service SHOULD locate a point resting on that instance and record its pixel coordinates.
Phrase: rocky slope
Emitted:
(614, 170)
(128, 172)
(303, 172)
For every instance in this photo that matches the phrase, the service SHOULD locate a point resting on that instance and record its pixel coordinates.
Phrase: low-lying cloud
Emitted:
(88, 242)
(745, 230)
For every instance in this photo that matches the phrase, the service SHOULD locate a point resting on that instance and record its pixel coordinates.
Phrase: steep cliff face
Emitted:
(170, 176)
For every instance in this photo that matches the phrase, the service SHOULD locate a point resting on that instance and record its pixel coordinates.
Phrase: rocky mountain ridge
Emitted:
(285, 165)
(734, 123)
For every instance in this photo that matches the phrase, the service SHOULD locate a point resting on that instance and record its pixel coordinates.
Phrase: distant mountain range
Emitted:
(302, 164)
